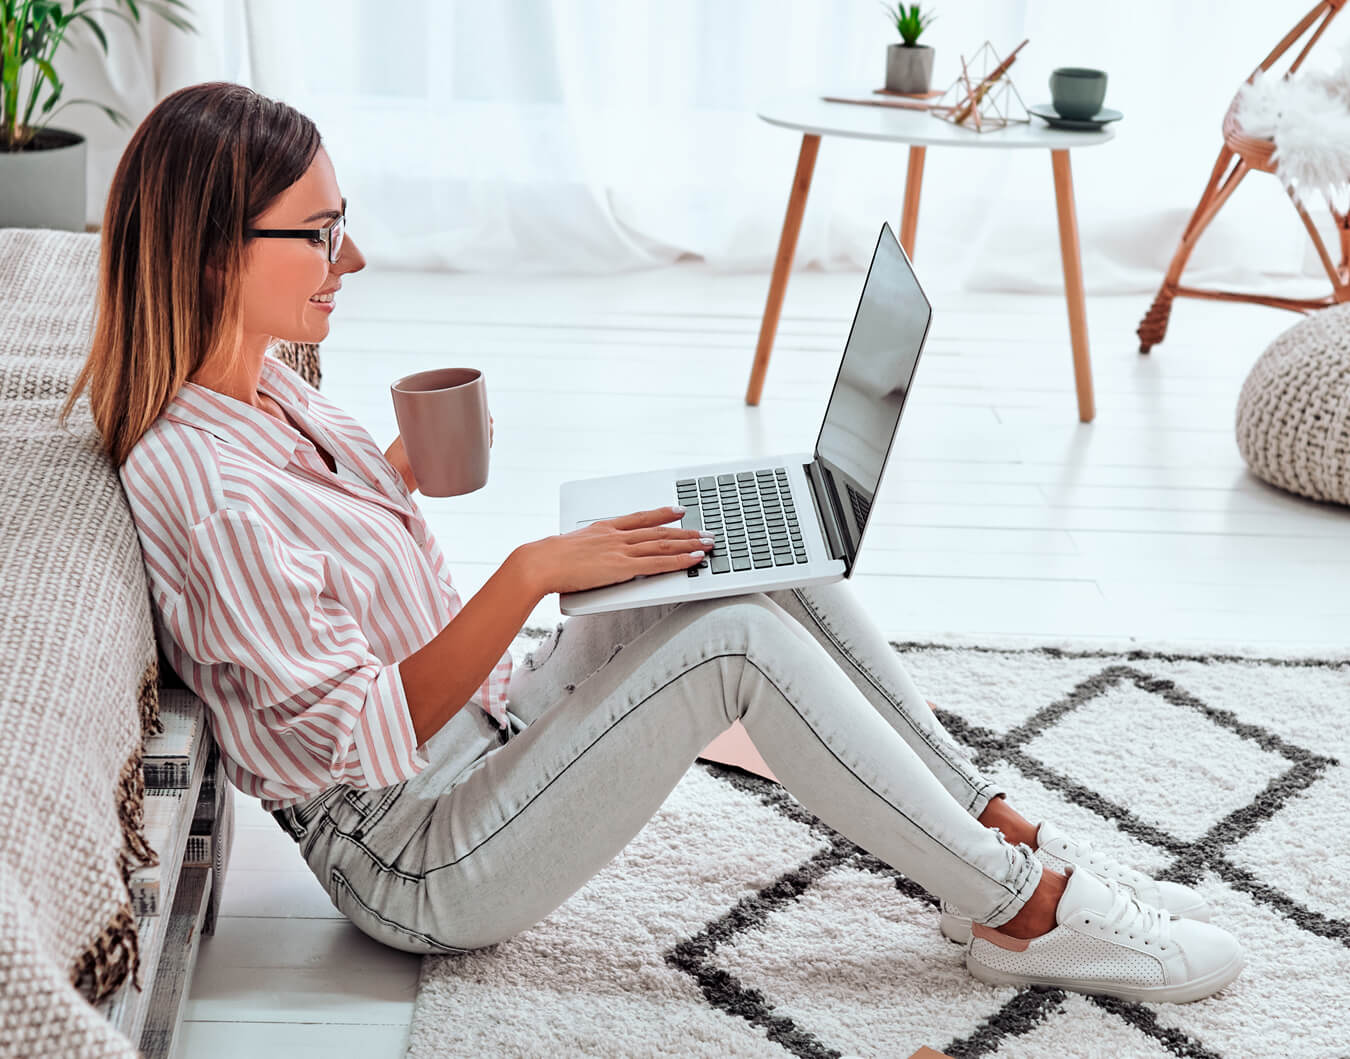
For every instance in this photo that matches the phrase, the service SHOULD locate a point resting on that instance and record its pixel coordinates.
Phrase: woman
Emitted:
(298, 591)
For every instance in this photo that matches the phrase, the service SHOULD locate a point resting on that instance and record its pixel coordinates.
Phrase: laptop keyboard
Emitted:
(751, 516)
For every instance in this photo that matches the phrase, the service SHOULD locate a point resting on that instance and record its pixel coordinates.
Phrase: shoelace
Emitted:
(1128, 915)
(1096, 862)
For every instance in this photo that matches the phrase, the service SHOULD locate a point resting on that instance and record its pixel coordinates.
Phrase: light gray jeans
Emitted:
(607, 716)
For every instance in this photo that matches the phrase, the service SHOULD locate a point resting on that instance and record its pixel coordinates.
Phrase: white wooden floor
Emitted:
(1000, 514)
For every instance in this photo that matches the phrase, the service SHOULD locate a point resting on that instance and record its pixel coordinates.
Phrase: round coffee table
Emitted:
(815, 118)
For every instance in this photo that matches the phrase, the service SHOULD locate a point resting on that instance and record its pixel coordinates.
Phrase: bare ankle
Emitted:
(1037, 916)
(1016, 828)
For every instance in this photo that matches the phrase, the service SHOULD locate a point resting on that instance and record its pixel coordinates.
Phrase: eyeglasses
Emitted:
(330, 236)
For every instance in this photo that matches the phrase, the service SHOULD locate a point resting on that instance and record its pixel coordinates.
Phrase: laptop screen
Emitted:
(889, 328)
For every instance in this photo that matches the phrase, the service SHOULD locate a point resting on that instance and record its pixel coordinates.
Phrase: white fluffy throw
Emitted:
(1308, 117)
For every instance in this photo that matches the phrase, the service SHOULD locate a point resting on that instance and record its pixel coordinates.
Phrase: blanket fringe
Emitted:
(147, 699)
(114, 955)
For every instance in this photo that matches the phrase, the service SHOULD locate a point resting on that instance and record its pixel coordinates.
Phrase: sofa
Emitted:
(80, 676)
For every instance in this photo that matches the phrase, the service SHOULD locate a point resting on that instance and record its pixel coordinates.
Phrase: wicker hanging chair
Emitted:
(1241, 154)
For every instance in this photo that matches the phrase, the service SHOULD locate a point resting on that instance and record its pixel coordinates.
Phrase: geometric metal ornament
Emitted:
(983, 97)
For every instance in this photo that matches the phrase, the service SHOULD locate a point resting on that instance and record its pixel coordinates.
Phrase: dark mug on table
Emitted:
(1076, 92)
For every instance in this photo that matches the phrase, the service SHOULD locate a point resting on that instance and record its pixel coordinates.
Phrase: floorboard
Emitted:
(1001, 515)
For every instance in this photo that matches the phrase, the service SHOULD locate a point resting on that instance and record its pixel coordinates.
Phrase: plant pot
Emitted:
(42, 186)
(909, 68)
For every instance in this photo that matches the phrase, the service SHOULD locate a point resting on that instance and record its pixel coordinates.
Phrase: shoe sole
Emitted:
(1166, 994)
(954, 928)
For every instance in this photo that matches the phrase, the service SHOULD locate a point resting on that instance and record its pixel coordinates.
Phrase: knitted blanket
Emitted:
(78, 671)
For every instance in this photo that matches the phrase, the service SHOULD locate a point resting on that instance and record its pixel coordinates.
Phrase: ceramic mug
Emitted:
(1077, 92)
(443, 417)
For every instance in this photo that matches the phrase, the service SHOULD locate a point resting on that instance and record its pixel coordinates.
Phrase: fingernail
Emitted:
(677, 509)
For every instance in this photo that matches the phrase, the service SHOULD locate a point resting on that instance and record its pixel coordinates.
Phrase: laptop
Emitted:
(781, 521)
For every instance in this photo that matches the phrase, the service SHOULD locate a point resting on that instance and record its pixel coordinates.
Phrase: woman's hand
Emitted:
(398, 459)
(612, 551)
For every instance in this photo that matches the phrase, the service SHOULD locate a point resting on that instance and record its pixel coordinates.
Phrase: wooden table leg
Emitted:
(909, 219)
(787, 247)
(1073, 282)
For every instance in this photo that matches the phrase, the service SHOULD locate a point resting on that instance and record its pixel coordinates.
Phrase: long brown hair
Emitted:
(198, 171)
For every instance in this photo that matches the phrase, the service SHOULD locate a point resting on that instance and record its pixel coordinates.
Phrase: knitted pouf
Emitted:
(1293, 415)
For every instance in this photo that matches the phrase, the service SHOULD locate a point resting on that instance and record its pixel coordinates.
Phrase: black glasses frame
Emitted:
(331, 234)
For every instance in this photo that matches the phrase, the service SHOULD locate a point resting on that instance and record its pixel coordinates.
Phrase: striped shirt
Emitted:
(286, 596)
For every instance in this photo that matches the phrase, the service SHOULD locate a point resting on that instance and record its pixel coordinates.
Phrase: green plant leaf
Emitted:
(31, 35)
(116, 116)
(115, 13)
(893, 13)
(48, 72)
(96, 30)
(51, 100)
(163, 9)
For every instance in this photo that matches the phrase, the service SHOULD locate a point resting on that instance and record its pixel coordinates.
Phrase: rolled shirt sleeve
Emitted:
(296, 692)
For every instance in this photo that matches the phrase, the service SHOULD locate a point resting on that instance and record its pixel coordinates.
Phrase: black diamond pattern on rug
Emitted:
(1130, 748)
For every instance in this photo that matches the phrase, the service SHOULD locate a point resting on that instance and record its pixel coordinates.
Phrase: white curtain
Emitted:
(595, 136)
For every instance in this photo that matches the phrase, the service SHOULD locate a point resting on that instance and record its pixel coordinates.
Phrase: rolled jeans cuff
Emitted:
(985, 792)
(1024, 876)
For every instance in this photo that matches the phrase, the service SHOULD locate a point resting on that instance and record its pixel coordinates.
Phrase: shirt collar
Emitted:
(239, 423)
(276, 378)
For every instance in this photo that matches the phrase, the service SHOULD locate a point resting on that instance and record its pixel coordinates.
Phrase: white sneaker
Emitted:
(1056, 851)
(1106, 942)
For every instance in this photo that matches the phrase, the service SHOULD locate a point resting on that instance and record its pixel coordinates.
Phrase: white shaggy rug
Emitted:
(736, 924)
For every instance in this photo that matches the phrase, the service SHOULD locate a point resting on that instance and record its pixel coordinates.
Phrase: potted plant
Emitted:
(42, 168)
(909, 65)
